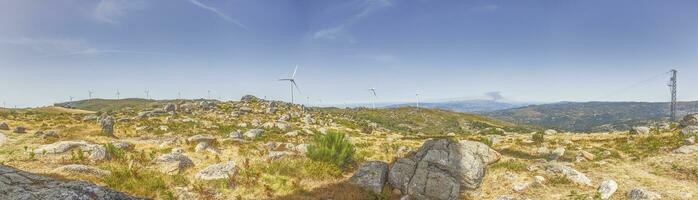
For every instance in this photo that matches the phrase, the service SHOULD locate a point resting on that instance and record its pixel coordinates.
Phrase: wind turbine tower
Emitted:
(672, 88)
(292, 82)
(373, 98)
(417, 99)
(117, 94)
(147, 94)
(89, 94)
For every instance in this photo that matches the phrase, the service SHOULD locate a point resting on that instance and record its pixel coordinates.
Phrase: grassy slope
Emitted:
(419, 120)
(107, 105)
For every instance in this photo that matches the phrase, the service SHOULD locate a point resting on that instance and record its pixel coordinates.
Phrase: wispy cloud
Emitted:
(338, 32)
(109, 11)
(51, 47)
(219, 13)
(485, 8)
(47, 45)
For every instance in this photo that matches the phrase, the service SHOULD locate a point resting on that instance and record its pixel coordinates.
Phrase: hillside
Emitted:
(471, 106)
(108, 105)
(419, 120)
(592, 116)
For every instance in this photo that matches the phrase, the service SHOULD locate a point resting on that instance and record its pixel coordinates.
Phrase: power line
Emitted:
(621, 90)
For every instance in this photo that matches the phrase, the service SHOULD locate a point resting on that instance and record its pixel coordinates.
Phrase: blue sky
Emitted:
(540, 51)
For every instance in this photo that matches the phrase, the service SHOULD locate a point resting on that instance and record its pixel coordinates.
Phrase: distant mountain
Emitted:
(593, 116)
(470, 106)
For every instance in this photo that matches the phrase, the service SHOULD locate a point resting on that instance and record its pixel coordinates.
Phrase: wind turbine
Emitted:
(373, 100)
(89, 92)
(417, 99)
(117, 93)
(307, 99)
(147, 94)
(292, 82)
(71, 98)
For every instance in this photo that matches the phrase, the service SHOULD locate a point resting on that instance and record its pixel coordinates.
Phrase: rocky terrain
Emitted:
(258, 149)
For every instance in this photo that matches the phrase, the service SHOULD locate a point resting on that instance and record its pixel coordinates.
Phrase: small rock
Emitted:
(587, 155)
(686, 149)
(570, 173)
(642, 194)
(543, 151)
(557, 153)
(253, 133)
(550, 132)
(81, 169)
(217, 171)
(170, 107)
(371, 176)
(173, 163)
(4, 126)
(607, 188)
(520, 187)
(689, 141)
(292, 134)
(539, 179)
(640, 130)
(235, 135)
(20, 129)
(690, 130)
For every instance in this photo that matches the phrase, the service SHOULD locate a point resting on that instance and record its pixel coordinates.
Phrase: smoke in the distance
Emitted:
(494, 95)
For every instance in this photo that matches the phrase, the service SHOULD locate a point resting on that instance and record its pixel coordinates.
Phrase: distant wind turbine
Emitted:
(89, 92)
(417, 99)
(292, 82)
(147, 94)
(117, 93)
(71, 98)
(307, 98)
(373, 98)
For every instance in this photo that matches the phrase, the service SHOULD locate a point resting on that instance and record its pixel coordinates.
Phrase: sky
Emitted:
(527, 51)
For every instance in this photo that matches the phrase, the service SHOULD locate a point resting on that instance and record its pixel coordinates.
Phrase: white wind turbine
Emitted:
(117, 93)
(89, 92)
(417, 99)
(147, 93)
(373, 98)
(292, 82)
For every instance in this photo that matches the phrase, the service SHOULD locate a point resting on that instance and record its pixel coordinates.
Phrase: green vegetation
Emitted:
(140, 182)
(538, 137)
(414, 120)
(510, 165)
(334, 147)
(591, 116)
(642, 147)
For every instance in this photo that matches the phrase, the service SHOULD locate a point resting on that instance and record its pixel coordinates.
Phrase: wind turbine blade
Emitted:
(297, 88)
(294, 72)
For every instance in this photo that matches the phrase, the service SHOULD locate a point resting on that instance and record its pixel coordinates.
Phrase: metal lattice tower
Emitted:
(672, 88)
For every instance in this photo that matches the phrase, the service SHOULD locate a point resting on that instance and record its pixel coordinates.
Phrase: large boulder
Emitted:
(60, 147)
(17, 184)
(371, 176)
(170, 107)
(20, 129)
(557, 153)
(217, 171)
(441, 169)
(686, 149)
(690, 130)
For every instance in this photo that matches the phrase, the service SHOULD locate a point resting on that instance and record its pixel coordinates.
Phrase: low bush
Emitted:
(334, 147)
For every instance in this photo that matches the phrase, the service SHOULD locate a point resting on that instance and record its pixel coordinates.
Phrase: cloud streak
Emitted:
(338, 32)
(109, 11)
(217, 12)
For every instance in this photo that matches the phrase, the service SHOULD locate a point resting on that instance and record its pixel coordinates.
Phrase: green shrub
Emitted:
(116, 153)
(140, 182)
(334, 147)
(538, 137)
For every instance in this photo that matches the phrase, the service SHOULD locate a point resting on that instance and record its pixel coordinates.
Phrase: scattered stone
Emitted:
(23, 185)
(550, 132)
(607, 188)
(123, 145)
(690, 120)
(60, 147)
(46, 134)
(543, 151)
(170, 107)
(253, 133)
(520, 187)
(282, 126)
(539, 179)
(292, 134)
(686, 149)
(201, 138)
(371, 176)
(235, 135)
(81, 169)
(276, 155)
(690, 130)
(173, 163)
(301, 148)
(107, 124)
(557, 153)
(689, 141)
(97, 152)
(570, 173)
(640, 130)
(4, 126)
(20, 129)
(439, 170)
(642, 194)
(217, 171)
